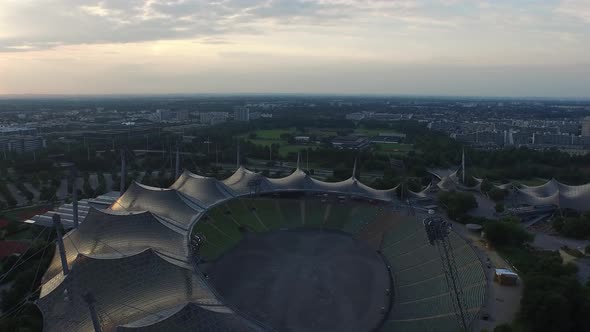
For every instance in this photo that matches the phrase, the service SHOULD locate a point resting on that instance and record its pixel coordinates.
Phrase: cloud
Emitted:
(579, 9)
(33, 25)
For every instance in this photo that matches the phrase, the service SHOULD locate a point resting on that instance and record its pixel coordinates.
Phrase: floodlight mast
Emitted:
(437, 231)
(60, 243)
(91, 301)
(74, 176)
(123, 173)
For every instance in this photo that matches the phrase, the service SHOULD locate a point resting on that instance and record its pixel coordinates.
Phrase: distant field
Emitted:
(374, 132)
(286, 149)
(531, 182)
(21, 214)
(395, 148)
(267, 137)
(264, 142)
(273, 134)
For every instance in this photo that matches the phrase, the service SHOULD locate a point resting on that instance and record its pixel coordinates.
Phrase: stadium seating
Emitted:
(337, 215)
(241, 212)
(219, 233)
(403, 226)
(361, 215)
(422, 300)
(435, 324)
(290, 210)
(266, 210)
(315, 212)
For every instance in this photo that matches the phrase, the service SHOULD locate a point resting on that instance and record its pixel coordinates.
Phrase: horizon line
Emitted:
(270, 94)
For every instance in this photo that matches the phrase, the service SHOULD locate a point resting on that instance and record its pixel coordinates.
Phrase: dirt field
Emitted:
(304, 280)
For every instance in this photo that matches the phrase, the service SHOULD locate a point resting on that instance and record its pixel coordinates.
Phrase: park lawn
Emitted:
(25, 234)
(395, 148)
(284, 150)
(531, 182)
(265, 142)
(320, 132)
(273, 134)
(374, 132)
(23, 213)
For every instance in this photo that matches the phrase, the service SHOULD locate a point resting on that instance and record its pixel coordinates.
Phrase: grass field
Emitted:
(284, 149)
(268, 137)
(273, 134)
(395, 148)
(16, 216)
(374, 132)
(531, 182)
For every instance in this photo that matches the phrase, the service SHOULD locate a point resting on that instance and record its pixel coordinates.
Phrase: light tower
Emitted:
(463, 166)
(123, 173)
(238, 162)
(437, 231)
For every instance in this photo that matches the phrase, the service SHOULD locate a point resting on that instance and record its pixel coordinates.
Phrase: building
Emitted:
(521, 138)
(388, 138)
(386, 117)
(22, 144)
(11, 131)
(483, 138)
(554, 139)
(213, 118)
(130, 256)
(241, 113)
(165, 115)
(302, 139)
(586, 126)
(182, 115)
(351, 142)
(355, 116)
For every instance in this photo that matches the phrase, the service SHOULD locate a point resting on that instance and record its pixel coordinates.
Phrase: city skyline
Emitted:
(348, 47)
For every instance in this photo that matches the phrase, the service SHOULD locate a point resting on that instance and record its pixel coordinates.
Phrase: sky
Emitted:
(532, 48)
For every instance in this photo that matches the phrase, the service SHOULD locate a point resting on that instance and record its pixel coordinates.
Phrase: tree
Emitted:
(457, 203)
(497, 194)
(547, 311)
(499, 207)
(486, 185)
(558, 223)
(573, 225)
(551, 303)
(506, 232)
(503, 328)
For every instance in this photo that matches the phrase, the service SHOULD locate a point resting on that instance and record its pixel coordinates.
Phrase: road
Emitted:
(502, 302)
(553, 242)
(486, 208)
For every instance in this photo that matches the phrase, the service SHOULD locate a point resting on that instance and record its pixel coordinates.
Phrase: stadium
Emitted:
(251, 253)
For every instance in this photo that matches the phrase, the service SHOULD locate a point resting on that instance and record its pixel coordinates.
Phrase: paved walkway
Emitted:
(553, 242)
(486, 208)
(502, 302)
